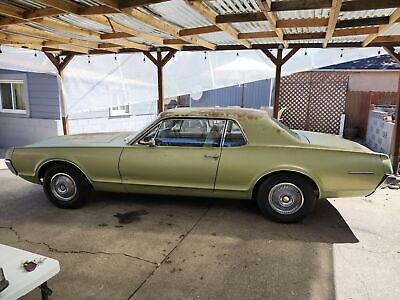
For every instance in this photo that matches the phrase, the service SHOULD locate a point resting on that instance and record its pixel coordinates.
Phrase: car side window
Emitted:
(234, 136)
(190, 132)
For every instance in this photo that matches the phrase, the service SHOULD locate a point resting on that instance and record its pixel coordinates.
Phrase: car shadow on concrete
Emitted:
(325, 224)
(205, 247)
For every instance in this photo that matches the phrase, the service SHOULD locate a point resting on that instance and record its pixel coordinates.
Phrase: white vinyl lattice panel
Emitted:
(314, 100)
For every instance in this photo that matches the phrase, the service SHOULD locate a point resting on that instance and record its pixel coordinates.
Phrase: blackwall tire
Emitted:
(286, 198)
(66, 187)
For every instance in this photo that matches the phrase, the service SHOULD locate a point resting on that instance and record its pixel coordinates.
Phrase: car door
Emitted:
(176, 154)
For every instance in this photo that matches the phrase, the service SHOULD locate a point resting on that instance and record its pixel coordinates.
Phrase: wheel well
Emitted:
(43, 168)
(258, 183)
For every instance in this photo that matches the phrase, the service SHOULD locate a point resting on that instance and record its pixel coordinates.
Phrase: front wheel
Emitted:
(65, 186)
(286, 198)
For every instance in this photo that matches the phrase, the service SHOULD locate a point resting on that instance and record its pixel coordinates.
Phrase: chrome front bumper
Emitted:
(389, 179)
(10, 166)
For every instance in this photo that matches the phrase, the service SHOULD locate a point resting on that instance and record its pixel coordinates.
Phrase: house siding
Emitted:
(42, 119)
(43, 94)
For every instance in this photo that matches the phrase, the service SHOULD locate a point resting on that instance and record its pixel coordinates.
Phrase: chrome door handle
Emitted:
(211, 156)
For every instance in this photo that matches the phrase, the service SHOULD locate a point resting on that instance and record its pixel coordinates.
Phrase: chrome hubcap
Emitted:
(285, 198)
(63, 187)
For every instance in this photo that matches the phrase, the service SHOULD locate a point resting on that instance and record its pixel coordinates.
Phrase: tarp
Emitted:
(99, 81)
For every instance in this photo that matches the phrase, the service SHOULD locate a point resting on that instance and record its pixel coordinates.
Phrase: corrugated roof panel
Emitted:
(314, 41)
(252, 26)
(141, 41)
(302, 14)
(135, 24)
(297, 30)
(177, 12)
(265, 41)
(25, 4)
(61, 32)
(348, 39)
(232, 6)
(83, 23)
(346, 15)
(219, 38)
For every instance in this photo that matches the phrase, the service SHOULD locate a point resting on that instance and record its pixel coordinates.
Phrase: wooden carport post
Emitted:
(395, 156)
(279, 61)
(160, 62)
(60, 66)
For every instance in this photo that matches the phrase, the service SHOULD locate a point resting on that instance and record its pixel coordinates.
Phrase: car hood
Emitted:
(332, 141)
(86, 140)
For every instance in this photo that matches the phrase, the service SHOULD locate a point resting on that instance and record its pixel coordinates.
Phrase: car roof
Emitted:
(237, 113)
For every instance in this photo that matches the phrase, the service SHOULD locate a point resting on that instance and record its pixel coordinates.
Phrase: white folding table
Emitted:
(21, 281)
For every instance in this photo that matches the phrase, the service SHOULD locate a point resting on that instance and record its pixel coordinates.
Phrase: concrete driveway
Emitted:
(151, 247)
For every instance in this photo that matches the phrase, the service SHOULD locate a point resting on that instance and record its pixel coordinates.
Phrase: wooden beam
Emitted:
(355, 31)
(382, 28)
(313, 22)
(393, 54)
(278, 72)
(174, 42)
(257, 35)
(127, 30)
(115, 35)
(369, 5)
(19, 29)
(242, 17)
(42, 12)
(353, 5)
(270, 56)
(199, 30)
(304, 36)
(362, 22)
(333, 18)
(137, 3)
(64, 63)
(396, 148)
(211, 17)
(289, 55)
(166, 27)
(96, 10)
(265, 7)
(387, 39)
(9, 11)
(66, 7)
(68, 28)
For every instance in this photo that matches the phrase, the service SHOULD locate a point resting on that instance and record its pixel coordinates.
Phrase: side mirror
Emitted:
(152, 142)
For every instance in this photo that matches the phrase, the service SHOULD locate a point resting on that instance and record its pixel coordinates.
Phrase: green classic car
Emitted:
(208, 152)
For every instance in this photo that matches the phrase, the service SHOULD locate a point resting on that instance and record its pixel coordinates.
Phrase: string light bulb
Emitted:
(205, 54)
(341, 53)
(379, 53)
(237, 53)
(1, 51)
(88, 59)
(35, 53)
(115, 56)
(305, 52)
(144, 57)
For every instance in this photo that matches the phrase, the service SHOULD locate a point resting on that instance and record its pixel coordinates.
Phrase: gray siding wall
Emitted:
(255, 95)
(43, 94)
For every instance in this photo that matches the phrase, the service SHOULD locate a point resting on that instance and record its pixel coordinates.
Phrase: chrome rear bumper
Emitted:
(388, 180)
(10, 166)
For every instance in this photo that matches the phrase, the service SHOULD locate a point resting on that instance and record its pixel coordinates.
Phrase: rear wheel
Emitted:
(65, 186)
(286, 198)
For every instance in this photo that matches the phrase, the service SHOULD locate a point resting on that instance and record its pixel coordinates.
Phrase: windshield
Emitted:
(287, 129)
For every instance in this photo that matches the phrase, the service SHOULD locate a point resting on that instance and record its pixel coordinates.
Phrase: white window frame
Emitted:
(14, 111)
(118, 112)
